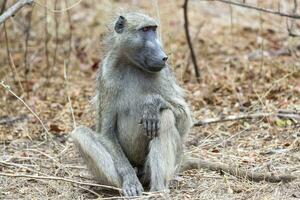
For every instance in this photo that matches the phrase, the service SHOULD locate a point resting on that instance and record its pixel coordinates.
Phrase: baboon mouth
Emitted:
(153, 69)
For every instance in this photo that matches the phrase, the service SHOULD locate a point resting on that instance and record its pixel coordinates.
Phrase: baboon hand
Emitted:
(151, 120)
(132, 187)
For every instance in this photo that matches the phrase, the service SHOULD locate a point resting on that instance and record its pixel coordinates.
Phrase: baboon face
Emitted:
(140, 43)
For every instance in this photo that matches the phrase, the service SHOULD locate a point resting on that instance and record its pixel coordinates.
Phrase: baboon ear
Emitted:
(120, 24)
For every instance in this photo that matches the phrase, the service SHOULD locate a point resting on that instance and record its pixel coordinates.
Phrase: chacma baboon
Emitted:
(142, 117)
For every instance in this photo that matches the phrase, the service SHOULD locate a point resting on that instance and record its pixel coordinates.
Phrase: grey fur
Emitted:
(142, 117)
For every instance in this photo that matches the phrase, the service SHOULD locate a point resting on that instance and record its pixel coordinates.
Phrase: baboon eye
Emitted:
(149, 28)
(146, 28)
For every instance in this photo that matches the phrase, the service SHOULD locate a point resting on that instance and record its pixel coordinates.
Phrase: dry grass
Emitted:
(231, 83)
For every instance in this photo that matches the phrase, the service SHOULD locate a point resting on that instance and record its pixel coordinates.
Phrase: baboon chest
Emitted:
(131, 88)
(130, 131)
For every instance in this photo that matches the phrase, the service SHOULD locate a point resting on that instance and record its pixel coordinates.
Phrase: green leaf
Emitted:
(283, 122)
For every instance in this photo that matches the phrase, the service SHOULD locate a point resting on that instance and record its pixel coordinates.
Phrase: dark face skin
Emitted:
(141, 46)
(150, 55)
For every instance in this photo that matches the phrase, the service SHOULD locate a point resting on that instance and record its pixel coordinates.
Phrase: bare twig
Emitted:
(291, 27)
(20, 99)
(11, 61)
(20, 166)
(255, 55)
(246, 116)
(262, 46)
(55, 178)
(67, 62)
(56, 21)
(11, 120)
(294, 16)
(56, 37)
(14, 9)
(59, 179)
(188, 37)
(68, 95)
(27, 36)
(91, 191)
(3, 7)
(196, 163)
(70, 36)
(46, 40)
(61, 10)
(193, 41)
(289, 111)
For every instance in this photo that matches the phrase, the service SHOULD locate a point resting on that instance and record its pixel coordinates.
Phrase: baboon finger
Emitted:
(125, 192)
(153, 129)
(156, 128)
(149, 128)
(134, 191)
(129, 191)
(146, 126)
(140, 192)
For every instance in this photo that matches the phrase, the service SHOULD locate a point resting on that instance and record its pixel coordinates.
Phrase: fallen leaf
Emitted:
(55, 128)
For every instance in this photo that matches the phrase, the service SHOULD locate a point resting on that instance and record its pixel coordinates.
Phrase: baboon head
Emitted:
(135, 34)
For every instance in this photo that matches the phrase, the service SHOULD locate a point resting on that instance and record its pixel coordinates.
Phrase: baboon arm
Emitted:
(196, 163)
(182, 115)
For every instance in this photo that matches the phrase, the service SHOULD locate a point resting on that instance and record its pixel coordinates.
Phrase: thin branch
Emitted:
(68, 95)
(14, 9)
(262, 46)
(289, 111)
(188, 37)
(291, 27)
(91, 191)
(27, 36)
(193, 41)
(246, 116)
(294, 16)
(3, 7)
(55, 178)
(11, 60)
(56, 37)
(58, 11)
(196, 163)
(67, 62)
(20, 99)
(70, 35)
(20, 166)
(11, 120)
(51, 71)
(46, 39)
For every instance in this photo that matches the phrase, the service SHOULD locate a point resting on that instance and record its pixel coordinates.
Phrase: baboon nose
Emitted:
(165, 59)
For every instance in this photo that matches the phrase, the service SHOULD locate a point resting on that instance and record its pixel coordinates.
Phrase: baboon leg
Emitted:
(98, 159)
(161, 161)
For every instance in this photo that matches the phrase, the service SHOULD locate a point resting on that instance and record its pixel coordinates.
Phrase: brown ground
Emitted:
(224, 38)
